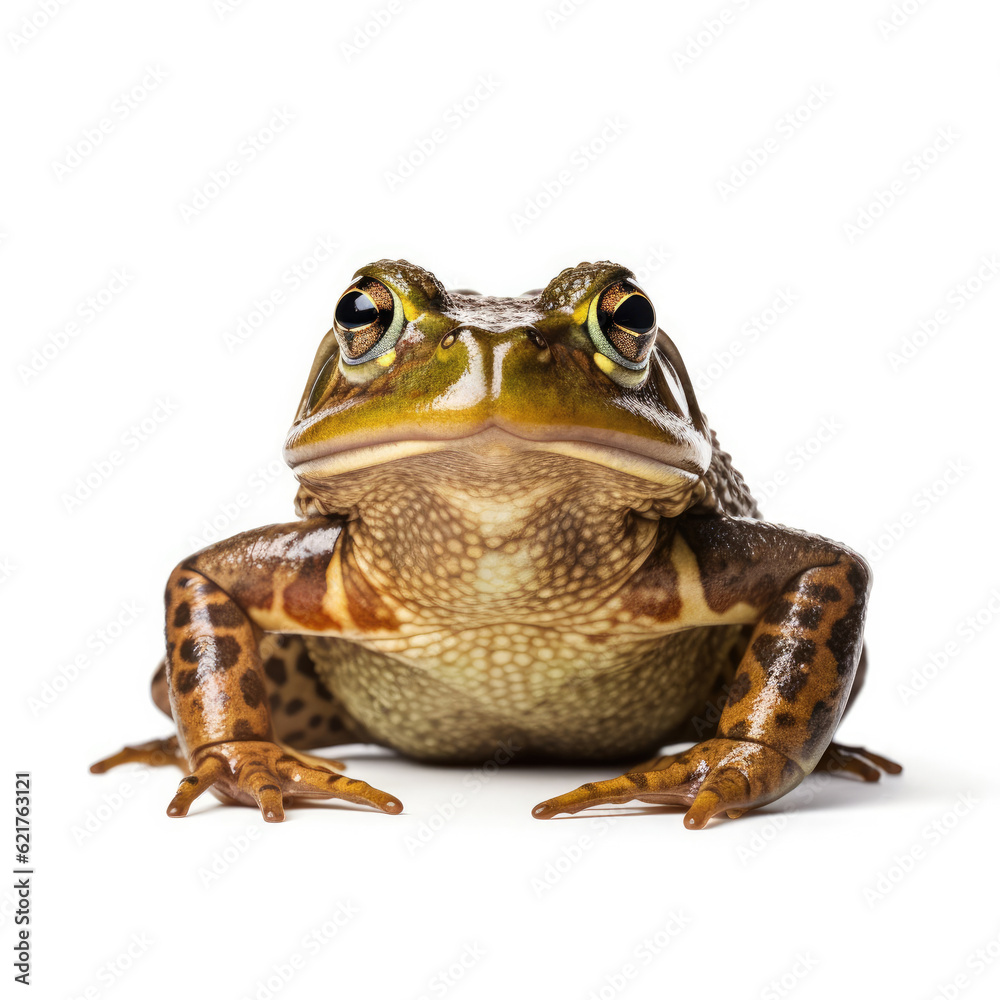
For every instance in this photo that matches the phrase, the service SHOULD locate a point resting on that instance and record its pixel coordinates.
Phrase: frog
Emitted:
(515, 533)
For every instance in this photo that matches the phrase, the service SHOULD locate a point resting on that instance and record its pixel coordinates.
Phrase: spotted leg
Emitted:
(283, 578)
(806, 598)
(304, 712)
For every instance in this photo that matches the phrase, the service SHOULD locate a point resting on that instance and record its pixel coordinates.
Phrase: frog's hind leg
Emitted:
(155, 753)
(304, 712)
(838, 758)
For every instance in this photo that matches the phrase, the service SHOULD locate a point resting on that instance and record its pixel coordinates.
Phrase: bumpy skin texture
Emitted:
(517, 531)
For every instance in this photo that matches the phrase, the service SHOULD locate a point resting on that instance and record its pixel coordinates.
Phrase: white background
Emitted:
(842, 888)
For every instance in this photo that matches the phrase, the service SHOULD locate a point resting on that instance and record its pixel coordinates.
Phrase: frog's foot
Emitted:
(841, 759)
(155, 753)
(255, 772)
(323, 763)
(659, 763)
(719, 775)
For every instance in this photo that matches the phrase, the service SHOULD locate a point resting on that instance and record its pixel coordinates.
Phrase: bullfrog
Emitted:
(516, 533)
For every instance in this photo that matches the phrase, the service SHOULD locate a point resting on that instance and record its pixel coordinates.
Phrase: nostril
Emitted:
(536, 338)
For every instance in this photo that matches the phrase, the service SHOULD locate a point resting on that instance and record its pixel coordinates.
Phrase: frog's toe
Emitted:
(207, 774)
(323, 763)
(724, 790)
(841, 759)
(323, 785)
(155, 753)
(663, 786)
(265, 774)
(717, 776)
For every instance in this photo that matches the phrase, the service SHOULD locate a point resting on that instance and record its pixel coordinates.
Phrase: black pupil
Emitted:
(635, 314)
(355, 310)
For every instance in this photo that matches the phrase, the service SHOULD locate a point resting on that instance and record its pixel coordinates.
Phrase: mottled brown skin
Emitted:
(516, 530)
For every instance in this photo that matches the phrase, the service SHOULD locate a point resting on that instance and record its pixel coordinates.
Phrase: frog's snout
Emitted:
(491, 340)
(490, 360)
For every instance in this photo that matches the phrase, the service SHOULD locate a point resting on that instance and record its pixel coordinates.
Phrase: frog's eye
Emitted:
(367, 321)
(622, 324)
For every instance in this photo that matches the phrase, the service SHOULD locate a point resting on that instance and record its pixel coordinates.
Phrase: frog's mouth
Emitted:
(672, 464)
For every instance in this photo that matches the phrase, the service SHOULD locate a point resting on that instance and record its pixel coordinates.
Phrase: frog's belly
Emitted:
(460, 696)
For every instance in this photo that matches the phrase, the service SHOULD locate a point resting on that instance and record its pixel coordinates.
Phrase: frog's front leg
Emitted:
(806, 597)
(275, 578)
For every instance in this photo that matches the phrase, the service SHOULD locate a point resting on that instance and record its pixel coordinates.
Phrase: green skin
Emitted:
(518, 536)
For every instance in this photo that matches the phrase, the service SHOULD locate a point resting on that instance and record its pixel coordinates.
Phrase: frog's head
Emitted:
(578, 369)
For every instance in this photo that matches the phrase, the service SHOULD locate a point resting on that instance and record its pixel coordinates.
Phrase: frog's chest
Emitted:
(457, 695)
